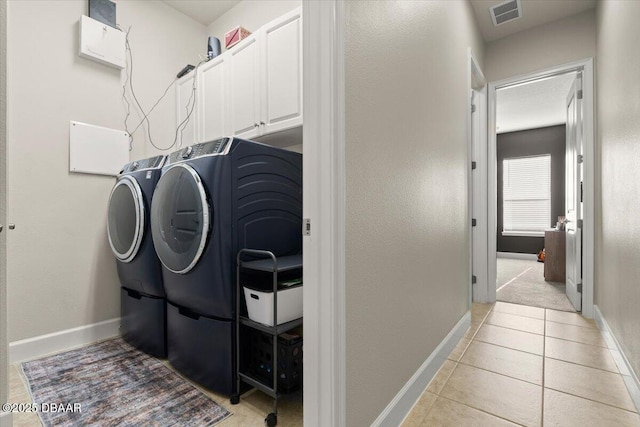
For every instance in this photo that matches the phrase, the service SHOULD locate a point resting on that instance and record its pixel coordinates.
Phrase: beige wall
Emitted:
(61, 273)
(556, 43)
(3, 240)
(250, 14)
(407, 241)
(618, 141)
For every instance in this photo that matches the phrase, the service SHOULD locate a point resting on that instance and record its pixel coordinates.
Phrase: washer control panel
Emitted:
(216, 147)
(150, 163)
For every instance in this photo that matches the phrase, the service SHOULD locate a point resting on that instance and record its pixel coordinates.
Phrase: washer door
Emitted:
(179, 218)
(125, 222)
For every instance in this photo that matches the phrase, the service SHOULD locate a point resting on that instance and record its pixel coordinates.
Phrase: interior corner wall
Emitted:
(617, 244)
(533, 142)
(61, 272)
(4, 360)
(407, 228)
(560, 42)
(250, 14)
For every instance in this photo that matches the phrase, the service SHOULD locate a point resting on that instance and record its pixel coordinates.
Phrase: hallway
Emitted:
(521, 365)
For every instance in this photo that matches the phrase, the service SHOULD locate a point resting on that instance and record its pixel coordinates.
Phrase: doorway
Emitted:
(531, 128)
(582, 176)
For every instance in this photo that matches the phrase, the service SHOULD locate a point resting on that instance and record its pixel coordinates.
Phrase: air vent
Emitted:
(505, 12)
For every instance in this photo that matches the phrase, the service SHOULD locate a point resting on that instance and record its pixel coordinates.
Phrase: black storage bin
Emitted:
(143, 322)
(202, 348)
(259, 359)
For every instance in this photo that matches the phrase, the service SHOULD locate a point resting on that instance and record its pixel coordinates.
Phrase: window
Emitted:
(526, 195)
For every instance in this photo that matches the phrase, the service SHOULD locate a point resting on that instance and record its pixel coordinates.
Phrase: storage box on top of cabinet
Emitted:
(233, 36)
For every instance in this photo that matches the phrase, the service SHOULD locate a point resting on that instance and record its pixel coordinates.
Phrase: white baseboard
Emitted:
(514, 255)
(33, 348)
(403, 402)
(628, 375)
(6, 419)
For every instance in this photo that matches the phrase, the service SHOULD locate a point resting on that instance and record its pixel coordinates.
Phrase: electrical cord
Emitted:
(145, 118)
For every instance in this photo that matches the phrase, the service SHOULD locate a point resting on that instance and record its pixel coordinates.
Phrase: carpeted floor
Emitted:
(522, 282)
(116, 385)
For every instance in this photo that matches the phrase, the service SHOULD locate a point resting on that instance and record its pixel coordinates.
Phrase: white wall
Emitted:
(163, 41)
(549, 45)
(407, 244)
(618, 142)
(61, 273)
(250, 14)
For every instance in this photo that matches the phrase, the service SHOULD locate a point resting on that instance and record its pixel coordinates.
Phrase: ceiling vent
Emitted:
(505, 12)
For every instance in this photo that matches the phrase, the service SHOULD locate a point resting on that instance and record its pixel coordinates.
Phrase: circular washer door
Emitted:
(125, 221)
(179, 218)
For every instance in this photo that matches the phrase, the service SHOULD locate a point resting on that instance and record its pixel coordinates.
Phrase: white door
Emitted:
(282, 76)
(573, 196)
(186, 110)
(245, 95)
(214, 89)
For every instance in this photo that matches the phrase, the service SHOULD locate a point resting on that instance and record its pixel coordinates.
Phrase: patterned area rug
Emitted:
(115, 384)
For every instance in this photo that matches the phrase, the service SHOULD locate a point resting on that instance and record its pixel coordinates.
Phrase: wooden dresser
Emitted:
(555, 263)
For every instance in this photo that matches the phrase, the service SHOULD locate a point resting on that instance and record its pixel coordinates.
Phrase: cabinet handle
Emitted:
(255, 125)
(263, 123)
(12, 226)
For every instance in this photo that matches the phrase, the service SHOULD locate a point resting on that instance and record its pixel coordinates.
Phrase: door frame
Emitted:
(477, 207)
(324, 189)
(588, 230)
(5, 417)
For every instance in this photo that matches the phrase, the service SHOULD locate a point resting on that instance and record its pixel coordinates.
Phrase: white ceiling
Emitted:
(534, 13)
(203, 11)
(533, 105)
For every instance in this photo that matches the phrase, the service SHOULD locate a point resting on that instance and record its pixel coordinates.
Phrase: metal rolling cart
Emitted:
(267, 262)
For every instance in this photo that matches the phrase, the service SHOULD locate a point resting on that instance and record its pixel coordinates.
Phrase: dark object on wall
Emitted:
(533, 142)
(103, 11)
(213, 47)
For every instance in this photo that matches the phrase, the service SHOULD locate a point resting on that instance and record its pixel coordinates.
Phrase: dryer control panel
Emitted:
(216, 147)
(150, 163)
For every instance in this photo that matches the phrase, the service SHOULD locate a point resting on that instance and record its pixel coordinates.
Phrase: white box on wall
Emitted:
(102, 43)
(97, 150)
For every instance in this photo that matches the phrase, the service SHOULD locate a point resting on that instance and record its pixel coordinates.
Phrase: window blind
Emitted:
(526, 195)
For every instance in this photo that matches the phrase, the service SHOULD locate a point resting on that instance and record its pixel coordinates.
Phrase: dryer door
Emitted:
(125, 222)
(179, 218)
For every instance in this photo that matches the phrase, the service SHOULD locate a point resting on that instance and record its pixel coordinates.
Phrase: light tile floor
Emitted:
(250, 412)
(516, 365)
(528, 366)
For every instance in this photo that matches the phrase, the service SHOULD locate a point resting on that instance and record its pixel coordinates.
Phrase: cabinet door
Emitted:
(186, 114)
(213, 97)
(282, 73)
(245, 96)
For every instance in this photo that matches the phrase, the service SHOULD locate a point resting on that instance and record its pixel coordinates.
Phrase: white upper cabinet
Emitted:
(245, 94)
(281, 106)
(186, 111)
(213, 115)
(253, 89)
(267, 68)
